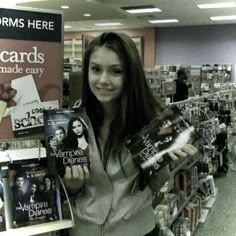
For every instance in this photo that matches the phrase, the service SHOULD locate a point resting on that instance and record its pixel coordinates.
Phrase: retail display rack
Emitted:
(9, 156)
(183, 194)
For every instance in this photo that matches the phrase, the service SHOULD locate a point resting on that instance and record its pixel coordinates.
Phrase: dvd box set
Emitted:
(66, 139)
(33, 192)
(164, 134)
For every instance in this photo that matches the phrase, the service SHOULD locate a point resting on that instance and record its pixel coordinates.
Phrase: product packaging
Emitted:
(34, 195)
(166, 133)
(66, 139)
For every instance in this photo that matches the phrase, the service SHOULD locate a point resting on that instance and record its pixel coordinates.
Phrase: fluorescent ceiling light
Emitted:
(23, 1)
(67, 26)
(7, 4)
(141, 9)
(144, 10)
(108, 24)
(13, 3)
(95, 1)
(65, 7)
(87, 14)
(215, 18)
(217, 5)
(163, 21)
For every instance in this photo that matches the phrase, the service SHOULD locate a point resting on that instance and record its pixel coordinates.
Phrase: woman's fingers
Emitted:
(86, 172)
(75, 177)
(68, 173)
(173, 156)
(189, 149)
(180, 153)
(77, 172)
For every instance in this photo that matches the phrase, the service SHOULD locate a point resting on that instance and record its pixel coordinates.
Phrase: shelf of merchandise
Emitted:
(70, 67)
(211, 201)
(68, 49)
(204, 215)
(39, 228)
(182, 207)
(73, 48)
(193, 232)
(202, 97)
(187, 163)
(10, 156)
(205, 211)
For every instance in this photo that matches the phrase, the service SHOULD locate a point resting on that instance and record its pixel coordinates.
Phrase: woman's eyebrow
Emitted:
(97, 64)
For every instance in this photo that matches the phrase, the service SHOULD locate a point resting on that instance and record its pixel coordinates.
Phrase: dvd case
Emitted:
(66, 139)
(164, 134)
(34, 195)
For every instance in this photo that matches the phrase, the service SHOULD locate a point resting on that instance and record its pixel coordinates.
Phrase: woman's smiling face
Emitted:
(106, 75)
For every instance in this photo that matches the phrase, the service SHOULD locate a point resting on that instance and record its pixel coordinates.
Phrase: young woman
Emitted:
(116, 199)
(76, 134)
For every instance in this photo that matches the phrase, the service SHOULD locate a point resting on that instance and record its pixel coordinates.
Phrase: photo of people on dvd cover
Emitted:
(66, 139)
(33, 194)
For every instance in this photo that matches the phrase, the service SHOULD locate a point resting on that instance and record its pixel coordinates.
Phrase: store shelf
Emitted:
(187, 163)
(217, 189)
(195, 229)
(203, 215)
(182, 207)
(38, 229)
(179, 167)
(73, 48)
(22, 154)
(210, 203)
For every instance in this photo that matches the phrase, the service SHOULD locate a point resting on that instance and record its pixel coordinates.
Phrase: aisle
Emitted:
(221, 220)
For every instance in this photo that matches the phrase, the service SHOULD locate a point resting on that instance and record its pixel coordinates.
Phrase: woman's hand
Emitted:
(75, 177)
(187, 150)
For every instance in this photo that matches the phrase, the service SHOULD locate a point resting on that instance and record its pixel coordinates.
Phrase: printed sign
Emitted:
(168, 88)
(30, 60)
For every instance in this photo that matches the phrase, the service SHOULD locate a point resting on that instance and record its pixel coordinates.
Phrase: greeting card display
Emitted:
(30, 61)
(164, 134)
(33, 191)
(66, 139)
(28, 119)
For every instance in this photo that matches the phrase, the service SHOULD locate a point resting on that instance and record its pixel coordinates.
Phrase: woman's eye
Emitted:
(95, 69)
(117, 71)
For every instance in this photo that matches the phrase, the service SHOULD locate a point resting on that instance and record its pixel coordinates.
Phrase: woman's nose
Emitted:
(104, 78)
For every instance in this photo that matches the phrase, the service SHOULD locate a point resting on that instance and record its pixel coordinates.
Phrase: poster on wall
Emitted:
(30, 63)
